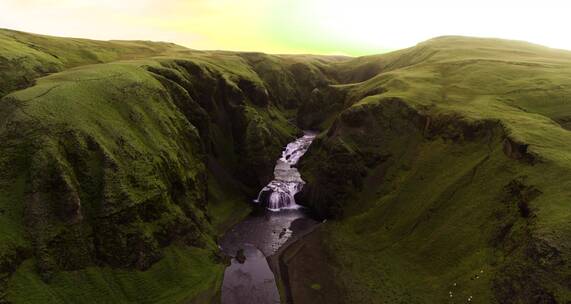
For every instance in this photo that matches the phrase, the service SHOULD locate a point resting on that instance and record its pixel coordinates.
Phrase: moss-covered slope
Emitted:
(25, 57)
(446, 167)
(450, 167)
(117, 177)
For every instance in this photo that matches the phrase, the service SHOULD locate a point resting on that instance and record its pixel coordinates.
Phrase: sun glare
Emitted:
(292, 26)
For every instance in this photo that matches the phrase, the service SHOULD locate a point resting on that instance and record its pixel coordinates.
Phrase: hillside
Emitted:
(122, 161)
(444, 169)
(450, 168)
(26, 57)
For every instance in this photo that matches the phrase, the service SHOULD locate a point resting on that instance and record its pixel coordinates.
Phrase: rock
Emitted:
(240, 257)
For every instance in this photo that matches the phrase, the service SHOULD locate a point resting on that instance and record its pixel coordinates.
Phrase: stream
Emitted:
(277, 219)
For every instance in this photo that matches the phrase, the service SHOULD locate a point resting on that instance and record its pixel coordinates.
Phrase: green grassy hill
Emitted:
(25, 57)
(450, 166)
(121, 162)
(444, 167)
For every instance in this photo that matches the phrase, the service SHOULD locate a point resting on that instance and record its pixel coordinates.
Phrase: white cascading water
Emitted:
(280, 192)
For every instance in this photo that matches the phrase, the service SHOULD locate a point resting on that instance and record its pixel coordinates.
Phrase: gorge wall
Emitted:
(444, 167)
(442, 170)
(106, 167)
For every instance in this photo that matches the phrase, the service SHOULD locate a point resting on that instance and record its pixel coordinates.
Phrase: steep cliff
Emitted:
(114, 172)
(449, 167)
(444, 167)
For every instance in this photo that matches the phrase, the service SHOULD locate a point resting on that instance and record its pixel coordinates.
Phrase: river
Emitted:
(276, 219)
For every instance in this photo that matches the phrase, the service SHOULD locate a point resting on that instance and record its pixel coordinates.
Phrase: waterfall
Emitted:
(280, 192)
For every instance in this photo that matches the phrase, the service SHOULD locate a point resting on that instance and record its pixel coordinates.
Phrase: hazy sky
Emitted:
(352, 27)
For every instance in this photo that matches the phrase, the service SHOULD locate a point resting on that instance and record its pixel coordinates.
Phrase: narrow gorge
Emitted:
(268, 229)
(146, 172)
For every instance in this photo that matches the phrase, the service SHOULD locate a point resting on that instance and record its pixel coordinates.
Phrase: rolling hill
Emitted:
(450, 167)
(444, 168)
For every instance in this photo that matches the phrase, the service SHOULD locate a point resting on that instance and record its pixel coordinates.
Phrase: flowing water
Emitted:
(279, 193)
(263, 233)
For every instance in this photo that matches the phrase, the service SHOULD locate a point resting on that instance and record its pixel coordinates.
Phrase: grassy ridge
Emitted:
(25, 57)
(121, 164)
(95, 188)
(181, 276)
(450, 161)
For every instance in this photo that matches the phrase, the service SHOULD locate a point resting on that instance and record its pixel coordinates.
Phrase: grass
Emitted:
(425, 196)
(227, 205)
(426, 235)
(25, 57)
(103, 146)
(443, 162)
(123, 161)
(118, 114)
(11, 212)
(182, 275)
(315, 286)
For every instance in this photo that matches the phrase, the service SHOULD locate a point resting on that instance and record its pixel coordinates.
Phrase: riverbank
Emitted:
(303, 269)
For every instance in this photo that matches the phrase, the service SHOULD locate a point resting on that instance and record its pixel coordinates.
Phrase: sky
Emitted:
(355, 27)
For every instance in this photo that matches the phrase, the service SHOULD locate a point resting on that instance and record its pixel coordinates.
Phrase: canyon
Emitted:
(434, 174)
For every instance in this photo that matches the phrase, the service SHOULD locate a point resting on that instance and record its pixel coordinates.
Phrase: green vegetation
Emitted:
(450, 167)
(226, 206)
(446, 167)
(184, 274)
(122, 159)
(25, 57)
